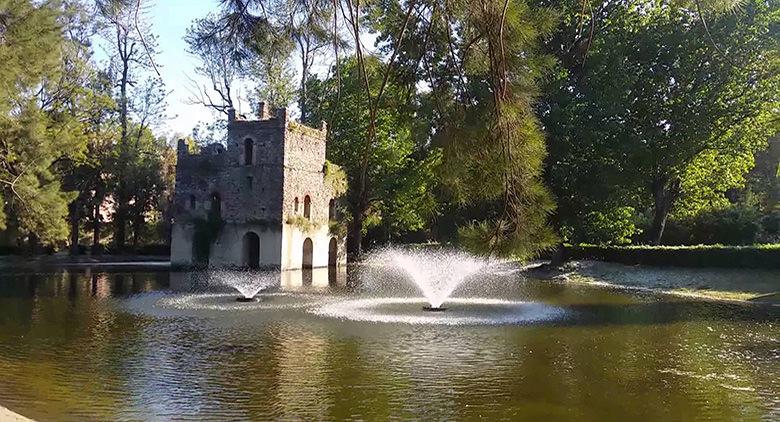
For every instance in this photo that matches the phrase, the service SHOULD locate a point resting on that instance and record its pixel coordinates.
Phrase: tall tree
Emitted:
(658, 104)
(39, 119)
(401, 175)
(133, 46)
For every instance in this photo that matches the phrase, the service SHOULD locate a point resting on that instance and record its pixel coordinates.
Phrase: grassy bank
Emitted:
(758, 256)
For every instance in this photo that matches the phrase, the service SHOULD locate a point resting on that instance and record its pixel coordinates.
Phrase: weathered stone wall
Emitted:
(304, 160)
(256, 195)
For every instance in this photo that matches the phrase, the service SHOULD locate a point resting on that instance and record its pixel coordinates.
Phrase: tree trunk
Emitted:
(355, 235)
(665, 192)
(137, 225)
(74, 227)
(96, 249)
(120, 230)
(121, 203)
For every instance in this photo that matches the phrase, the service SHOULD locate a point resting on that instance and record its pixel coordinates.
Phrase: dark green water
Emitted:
(97, 346)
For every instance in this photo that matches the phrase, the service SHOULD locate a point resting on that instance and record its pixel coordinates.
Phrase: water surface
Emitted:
(80, 345)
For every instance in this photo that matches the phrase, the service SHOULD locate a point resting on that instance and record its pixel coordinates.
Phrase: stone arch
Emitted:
(307, 261)
(249, 151)
(333, 250)
(307, 207)
(251, 250)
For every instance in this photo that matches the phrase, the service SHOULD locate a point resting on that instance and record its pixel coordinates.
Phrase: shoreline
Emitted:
(6, 415)
(736, 285)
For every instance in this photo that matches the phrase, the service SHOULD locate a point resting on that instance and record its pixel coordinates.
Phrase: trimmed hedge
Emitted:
(760, 256)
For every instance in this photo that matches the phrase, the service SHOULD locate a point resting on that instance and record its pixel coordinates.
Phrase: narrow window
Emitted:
(249, 150)
(216, 205)
(296, 204)
(332, 210)
(307, 207)
(193, 203)
(249, 182)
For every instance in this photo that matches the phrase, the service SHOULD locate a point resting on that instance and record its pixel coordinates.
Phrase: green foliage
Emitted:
(38, 125)
(337, 229)
(206, 232)
(655, 116)
(398, 192)
(335, 179)
(303, 223)
(760, 256)
(494, 146)
(614, 227)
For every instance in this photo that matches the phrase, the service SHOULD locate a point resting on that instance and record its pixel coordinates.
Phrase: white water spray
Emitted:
(436, 273)
(247, 283)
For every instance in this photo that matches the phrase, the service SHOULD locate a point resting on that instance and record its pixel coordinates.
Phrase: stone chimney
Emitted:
(181, 148)
(263, 111)
(281, 116)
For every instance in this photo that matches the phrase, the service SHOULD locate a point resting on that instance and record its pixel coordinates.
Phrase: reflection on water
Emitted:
(73, 347)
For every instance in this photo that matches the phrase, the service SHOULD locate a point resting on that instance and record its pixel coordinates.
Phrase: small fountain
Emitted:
(436, 273)
(247, 283)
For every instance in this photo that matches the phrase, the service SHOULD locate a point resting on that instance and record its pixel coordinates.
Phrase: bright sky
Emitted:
(170, 19)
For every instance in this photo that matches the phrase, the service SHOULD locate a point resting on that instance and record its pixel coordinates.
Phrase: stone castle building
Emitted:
(263, 201)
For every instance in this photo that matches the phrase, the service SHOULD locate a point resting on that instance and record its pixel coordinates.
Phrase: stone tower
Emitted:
(262, 202)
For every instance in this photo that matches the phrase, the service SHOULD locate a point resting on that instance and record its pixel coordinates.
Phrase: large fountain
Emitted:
(435, 273)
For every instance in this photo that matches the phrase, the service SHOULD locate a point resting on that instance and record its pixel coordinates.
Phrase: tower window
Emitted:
(296, 204)
(249, 151)
(216, 204)
(249, 182)
(307, 207)
(193, 202)
(332, 209)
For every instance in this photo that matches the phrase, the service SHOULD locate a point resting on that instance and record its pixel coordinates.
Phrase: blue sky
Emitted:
(170, 19)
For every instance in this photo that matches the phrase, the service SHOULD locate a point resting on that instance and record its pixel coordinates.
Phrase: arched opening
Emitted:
(193, 202)
(216, 205)
(252, 250)
(308, 254)
(296, 204)
(307, 207)
(333, 250)
(332, 210)
(249, 151)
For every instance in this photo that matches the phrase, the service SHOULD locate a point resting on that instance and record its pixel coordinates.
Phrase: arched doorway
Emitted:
(252, 250)
(308, 254)
(332, 253)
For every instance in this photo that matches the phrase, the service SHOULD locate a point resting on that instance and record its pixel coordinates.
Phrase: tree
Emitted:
(270, 31)
(398, 190)
(39, 119)
(208, 42)
(132, 49)
(658, 116)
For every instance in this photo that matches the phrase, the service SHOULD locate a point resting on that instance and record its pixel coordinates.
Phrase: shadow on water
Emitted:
(663, 312)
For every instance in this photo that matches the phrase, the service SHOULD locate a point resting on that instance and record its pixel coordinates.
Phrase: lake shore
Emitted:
(729, 284)
(8, 416)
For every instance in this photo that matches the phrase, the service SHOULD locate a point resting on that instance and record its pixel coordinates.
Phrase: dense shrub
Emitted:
(761, 256)
(736, 225)
(613, 227)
